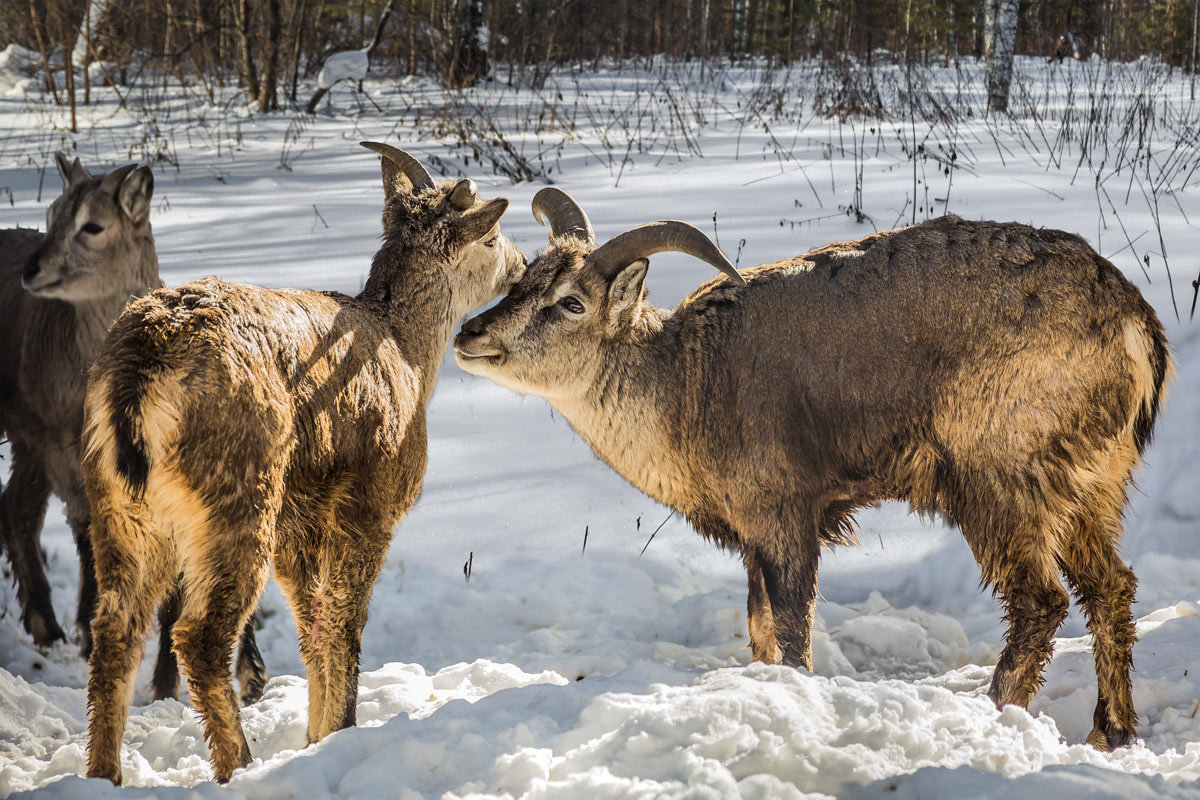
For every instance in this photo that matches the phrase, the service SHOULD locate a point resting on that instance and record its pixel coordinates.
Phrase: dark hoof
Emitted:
(1005, 692)
(1109, 738)
(112, 775)
(243, 761)
(44, 629)
(252, 690)
(165, 689)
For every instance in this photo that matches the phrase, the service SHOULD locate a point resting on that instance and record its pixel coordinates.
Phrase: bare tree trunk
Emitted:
(951, 33)
(297, 28)
(412, 38)
(166, 50)
(267, 98)
(68, 41)
(980, 28)
(249, 71)
(908, 33)
(1000, 65)
(687, 32)
(41, 45)
(469, 61)
(989, 29)
(623, 29)
(1195, 28)
(81, 44)
(791, 36)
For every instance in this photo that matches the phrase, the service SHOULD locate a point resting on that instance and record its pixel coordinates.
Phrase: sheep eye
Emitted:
(571, 303)
(92, 228)
(492, 241)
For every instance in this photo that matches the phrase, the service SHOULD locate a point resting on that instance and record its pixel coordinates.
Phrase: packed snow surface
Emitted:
(559, 670)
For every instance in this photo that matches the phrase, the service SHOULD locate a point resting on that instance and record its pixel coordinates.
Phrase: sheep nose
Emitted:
(472, 327)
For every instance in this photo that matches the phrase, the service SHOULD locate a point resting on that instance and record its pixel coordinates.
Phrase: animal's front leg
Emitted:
(759, 617)
(79, 518)
(22, 509)
(789, 574)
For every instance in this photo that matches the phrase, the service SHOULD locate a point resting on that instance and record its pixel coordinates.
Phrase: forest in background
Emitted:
(270, 47)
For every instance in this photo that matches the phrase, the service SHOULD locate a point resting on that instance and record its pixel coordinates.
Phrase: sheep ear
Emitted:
(134, 194)
(64, 167)
(70, 171)
(626, 287)
(478, 222)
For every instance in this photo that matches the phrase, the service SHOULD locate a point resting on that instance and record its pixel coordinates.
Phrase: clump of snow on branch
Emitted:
(348, 65)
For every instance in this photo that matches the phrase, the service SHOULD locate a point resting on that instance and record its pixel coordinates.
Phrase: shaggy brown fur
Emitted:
(229, 426)
(1003, 376)
(97, 254)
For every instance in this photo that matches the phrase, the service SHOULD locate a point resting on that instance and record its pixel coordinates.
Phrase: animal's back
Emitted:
(238, 375)
(979, 340)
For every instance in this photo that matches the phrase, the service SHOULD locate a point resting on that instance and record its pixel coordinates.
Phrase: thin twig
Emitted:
(656, 530)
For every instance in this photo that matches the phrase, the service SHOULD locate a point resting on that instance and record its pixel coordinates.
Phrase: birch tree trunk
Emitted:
(989, 29)
(1000, 61)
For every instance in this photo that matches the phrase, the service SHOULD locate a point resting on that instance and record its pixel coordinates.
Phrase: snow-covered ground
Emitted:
(560, 671)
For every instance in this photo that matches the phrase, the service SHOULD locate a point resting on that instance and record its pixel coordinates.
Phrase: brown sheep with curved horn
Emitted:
(230, 426)
(1005, 377)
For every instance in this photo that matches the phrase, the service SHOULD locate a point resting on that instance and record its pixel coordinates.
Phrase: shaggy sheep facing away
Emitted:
(229, 426)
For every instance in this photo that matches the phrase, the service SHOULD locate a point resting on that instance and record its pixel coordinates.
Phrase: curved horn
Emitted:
(464, 195)
(113, 179)
(656, 237)
(564, 214)
(412, 169)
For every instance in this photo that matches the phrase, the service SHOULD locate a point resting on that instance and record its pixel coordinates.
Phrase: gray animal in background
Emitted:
(59, 292)
(1003, 376)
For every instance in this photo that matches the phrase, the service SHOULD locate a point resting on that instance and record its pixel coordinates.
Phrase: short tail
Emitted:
(128, 379)
(1158, 367)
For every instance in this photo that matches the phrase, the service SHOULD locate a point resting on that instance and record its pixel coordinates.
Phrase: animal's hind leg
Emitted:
(341, 612)
(222, 582)
(166, 668)
(132, 569)
(297, 575)
(1019, 564)
(22, 510)
(251, 672)
(1105, 587)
